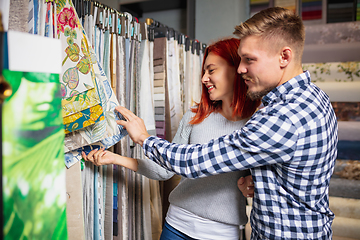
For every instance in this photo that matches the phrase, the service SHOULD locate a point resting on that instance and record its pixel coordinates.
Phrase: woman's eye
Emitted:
(211, 71)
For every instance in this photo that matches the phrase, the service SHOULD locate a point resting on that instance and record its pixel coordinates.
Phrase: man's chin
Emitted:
(258, 95)
(254, 95)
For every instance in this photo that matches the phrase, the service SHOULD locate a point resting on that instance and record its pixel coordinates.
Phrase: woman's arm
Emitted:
(144, 167)
(103, 157)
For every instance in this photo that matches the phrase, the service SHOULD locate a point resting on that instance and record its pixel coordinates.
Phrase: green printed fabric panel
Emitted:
(83, 119)
(34, 194)
(76, 65)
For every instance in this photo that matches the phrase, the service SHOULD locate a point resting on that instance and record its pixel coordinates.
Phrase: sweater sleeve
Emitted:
(154, 171)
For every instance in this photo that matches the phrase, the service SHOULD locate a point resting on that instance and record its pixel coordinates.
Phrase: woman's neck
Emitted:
(227, 111)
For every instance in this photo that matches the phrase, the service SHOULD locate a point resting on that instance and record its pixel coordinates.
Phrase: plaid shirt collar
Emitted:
(278, 94)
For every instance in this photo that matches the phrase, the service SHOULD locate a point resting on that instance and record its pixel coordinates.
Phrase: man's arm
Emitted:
(266, 139)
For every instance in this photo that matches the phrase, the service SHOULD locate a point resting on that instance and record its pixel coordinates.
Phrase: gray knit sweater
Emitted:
(215, 197)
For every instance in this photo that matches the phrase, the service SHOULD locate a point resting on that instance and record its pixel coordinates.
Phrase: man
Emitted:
(290, 144)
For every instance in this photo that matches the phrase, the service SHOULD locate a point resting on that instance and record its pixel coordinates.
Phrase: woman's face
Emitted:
(218, 77)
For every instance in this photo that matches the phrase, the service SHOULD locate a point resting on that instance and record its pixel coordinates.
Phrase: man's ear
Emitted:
(285, 56)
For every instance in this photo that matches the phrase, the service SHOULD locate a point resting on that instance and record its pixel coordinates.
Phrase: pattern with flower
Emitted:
(66, 17)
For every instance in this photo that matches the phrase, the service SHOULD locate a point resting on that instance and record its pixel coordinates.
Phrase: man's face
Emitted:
(259, 66)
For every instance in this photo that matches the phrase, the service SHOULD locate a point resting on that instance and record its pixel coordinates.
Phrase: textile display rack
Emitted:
(106, 58)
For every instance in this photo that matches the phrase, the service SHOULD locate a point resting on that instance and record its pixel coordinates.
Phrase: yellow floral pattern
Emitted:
(83, 119)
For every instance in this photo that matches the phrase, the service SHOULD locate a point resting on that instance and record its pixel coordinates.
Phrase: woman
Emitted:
(211, 207)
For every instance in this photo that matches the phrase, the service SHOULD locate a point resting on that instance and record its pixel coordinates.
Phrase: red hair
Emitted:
(243, 106)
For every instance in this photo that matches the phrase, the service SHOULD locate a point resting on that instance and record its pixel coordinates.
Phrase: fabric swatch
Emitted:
(101, 134)
(76, 76)
(80, 102)
(83, 119)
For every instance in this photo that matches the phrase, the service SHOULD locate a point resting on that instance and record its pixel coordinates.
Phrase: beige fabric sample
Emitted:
(74, 203)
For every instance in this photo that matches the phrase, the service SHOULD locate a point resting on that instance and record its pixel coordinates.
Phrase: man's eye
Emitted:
(211, 70)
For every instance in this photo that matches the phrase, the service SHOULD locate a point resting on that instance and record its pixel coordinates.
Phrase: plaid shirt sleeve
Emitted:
(266, 139)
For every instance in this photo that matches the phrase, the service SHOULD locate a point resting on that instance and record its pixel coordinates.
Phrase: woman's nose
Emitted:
(205, 78)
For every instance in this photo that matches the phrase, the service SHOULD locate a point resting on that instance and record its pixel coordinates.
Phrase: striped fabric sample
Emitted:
(288, 4)
(311, 9)
(159, 85)
(258, 5)
(340, 11)
(31, 17)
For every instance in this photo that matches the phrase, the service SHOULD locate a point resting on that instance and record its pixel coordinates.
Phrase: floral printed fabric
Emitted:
(334, 71)
(83, 119)
(102, 134)
(76, 77)
(105, 132)
(81, 101)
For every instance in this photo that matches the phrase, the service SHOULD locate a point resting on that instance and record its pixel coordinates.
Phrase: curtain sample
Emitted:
(83, 119)
(80, 102)
(159, 59)
(103, 133)
(74, 203)
(173, 83)
(76, 76)
(106, 133)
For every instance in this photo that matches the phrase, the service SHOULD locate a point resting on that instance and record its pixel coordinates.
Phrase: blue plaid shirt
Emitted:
(290, 145)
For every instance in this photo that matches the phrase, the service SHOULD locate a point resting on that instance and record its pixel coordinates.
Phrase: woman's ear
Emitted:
(285, 57)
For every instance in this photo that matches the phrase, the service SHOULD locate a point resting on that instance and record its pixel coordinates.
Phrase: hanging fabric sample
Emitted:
(74, 203)
(196, 76)
(103, 133)
(80, 102)
(173, 85)
(159, 84)
(33, 168)
(83, 119)
(76, 76)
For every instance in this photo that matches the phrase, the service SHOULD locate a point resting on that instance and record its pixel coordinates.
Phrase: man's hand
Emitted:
(246, 186)
(134, 125)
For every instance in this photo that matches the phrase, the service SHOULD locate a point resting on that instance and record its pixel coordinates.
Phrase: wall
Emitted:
(215, 19)
(175, 18)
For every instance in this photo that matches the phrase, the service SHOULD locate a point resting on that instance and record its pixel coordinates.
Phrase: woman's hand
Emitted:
(103, 157)
(246, 186)
(100, 157)
(134, 125)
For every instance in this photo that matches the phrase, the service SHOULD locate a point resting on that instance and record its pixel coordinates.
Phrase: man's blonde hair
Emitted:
(279, 27)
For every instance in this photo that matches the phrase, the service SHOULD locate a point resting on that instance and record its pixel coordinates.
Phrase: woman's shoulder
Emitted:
(190, 113)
